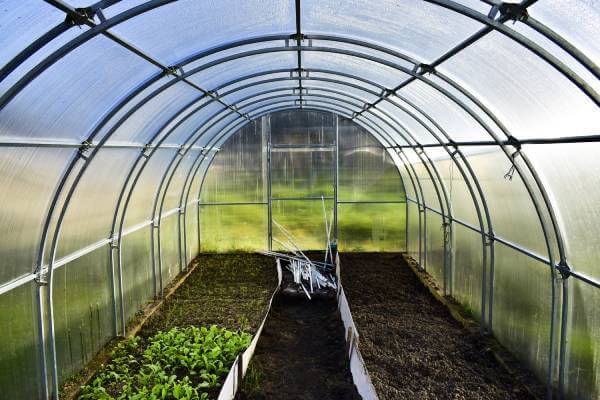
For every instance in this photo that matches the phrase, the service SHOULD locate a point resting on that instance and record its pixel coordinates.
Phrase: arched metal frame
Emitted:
(529, 176)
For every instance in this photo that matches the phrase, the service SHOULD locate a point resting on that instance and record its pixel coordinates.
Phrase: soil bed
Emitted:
(228, 290)
(301, 353)
(412, 347)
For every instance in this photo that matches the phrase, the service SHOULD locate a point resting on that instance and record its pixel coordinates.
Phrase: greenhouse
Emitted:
(299, 199)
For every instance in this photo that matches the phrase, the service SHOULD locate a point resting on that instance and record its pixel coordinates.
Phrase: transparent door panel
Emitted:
(304, 220)
(372, 227)
(302, 127)
(240, 227)
(301, 172)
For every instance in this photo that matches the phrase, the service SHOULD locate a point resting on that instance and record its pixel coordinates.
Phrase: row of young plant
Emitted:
(182, 363)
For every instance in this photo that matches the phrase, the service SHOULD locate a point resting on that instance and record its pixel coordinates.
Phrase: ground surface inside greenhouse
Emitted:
(229, 290)
(301, 353)
(411, 345)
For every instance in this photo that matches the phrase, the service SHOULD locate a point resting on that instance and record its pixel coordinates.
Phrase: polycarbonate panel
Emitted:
(513, 215)
(244, 94)
(522, 307)
(302, 127)
(467, 269)
(174, 192)
(379, 73)
(366, 171)
(523, 94)
(304, 221)
(302, 172)
(74, 93)
(421, 173)
(169, 248)
(416, 131)
(177, 30)
(322, 86)
(198, 121)
(372, 227)
(145, 123)
(16, 35)
(571, 174)
(144, 193)
(457, 123)
(435, 247)
(233, 228)
(19, 358)
(425, 31)
(413, 238)
(191, 233)
(238, 172)
(221, 74)
(28, 178)
(136, 270)
(83, 310)
(463, 207)
(90, 213)
(576, 21)
(582, 370)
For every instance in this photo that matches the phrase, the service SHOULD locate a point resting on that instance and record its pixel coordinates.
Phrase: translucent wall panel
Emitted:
(169, 248)
(425, 31)
(522, 307)
(304, 220)
(174, 191)
(366, 171)
(435, 247)
(467, 269)
(83, 310)
(27, 178)
(427, 185)
(19, 363)
(191, 232)
(238, 172)
(304, 127)
(372, 227)
(583, 342)
(136, 270)
(90, 214)
(233, 228)
(571, 174)
(488, 69)
(302, 172)
(413, 231)
(513, 214)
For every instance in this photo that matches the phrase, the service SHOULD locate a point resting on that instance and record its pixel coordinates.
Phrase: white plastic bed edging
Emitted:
(240, 365)
(358, 369)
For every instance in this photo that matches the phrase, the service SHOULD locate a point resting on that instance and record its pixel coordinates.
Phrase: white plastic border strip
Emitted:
(240, 365)
(359, 372)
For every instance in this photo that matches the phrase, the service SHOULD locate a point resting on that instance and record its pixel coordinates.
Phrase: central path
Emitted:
(300, 354)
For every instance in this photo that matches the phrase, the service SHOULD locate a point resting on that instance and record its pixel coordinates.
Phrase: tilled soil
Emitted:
(412, 347)
(300, 354)
(229, 290)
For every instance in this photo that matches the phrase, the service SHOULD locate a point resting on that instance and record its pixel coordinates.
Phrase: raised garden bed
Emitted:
(185, 348)
(412, 347)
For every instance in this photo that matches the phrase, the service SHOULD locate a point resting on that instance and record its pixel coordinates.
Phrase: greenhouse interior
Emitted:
(300, 199)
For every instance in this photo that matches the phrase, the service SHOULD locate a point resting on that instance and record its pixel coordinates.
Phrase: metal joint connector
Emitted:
(513, 11)
(41, 277)
(181, 150)
(171, 70)
(298, 37)
(423, 69)
(564, 270)
(81, 16)
(514, 142)
(83, 148)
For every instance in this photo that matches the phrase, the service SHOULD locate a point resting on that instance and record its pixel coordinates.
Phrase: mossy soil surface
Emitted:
(228, 290)
(301, 352)
(412, 347)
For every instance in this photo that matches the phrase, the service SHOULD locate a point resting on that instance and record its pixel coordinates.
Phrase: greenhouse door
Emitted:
(302, 188)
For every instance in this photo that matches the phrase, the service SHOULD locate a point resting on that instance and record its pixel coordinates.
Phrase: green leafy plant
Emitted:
(182, 363)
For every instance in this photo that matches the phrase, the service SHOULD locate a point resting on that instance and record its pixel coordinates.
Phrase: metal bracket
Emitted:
(513, 11)
(181, 150)
(41, 277)
(85, 146)
(81, 16)
(514, 142)
(423, 69)
(299, 37)
(145, 149)
(114, 242)
(171, 70)
(564, 270)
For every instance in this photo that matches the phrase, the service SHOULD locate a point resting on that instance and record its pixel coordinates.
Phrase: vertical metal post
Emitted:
(266, 124)
(42, 339)
(336, 182)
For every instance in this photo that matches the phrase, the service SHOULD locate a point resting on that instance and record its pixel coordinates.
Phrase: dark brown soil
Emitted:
(300, 354)
(412, 347)
(229, 290)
